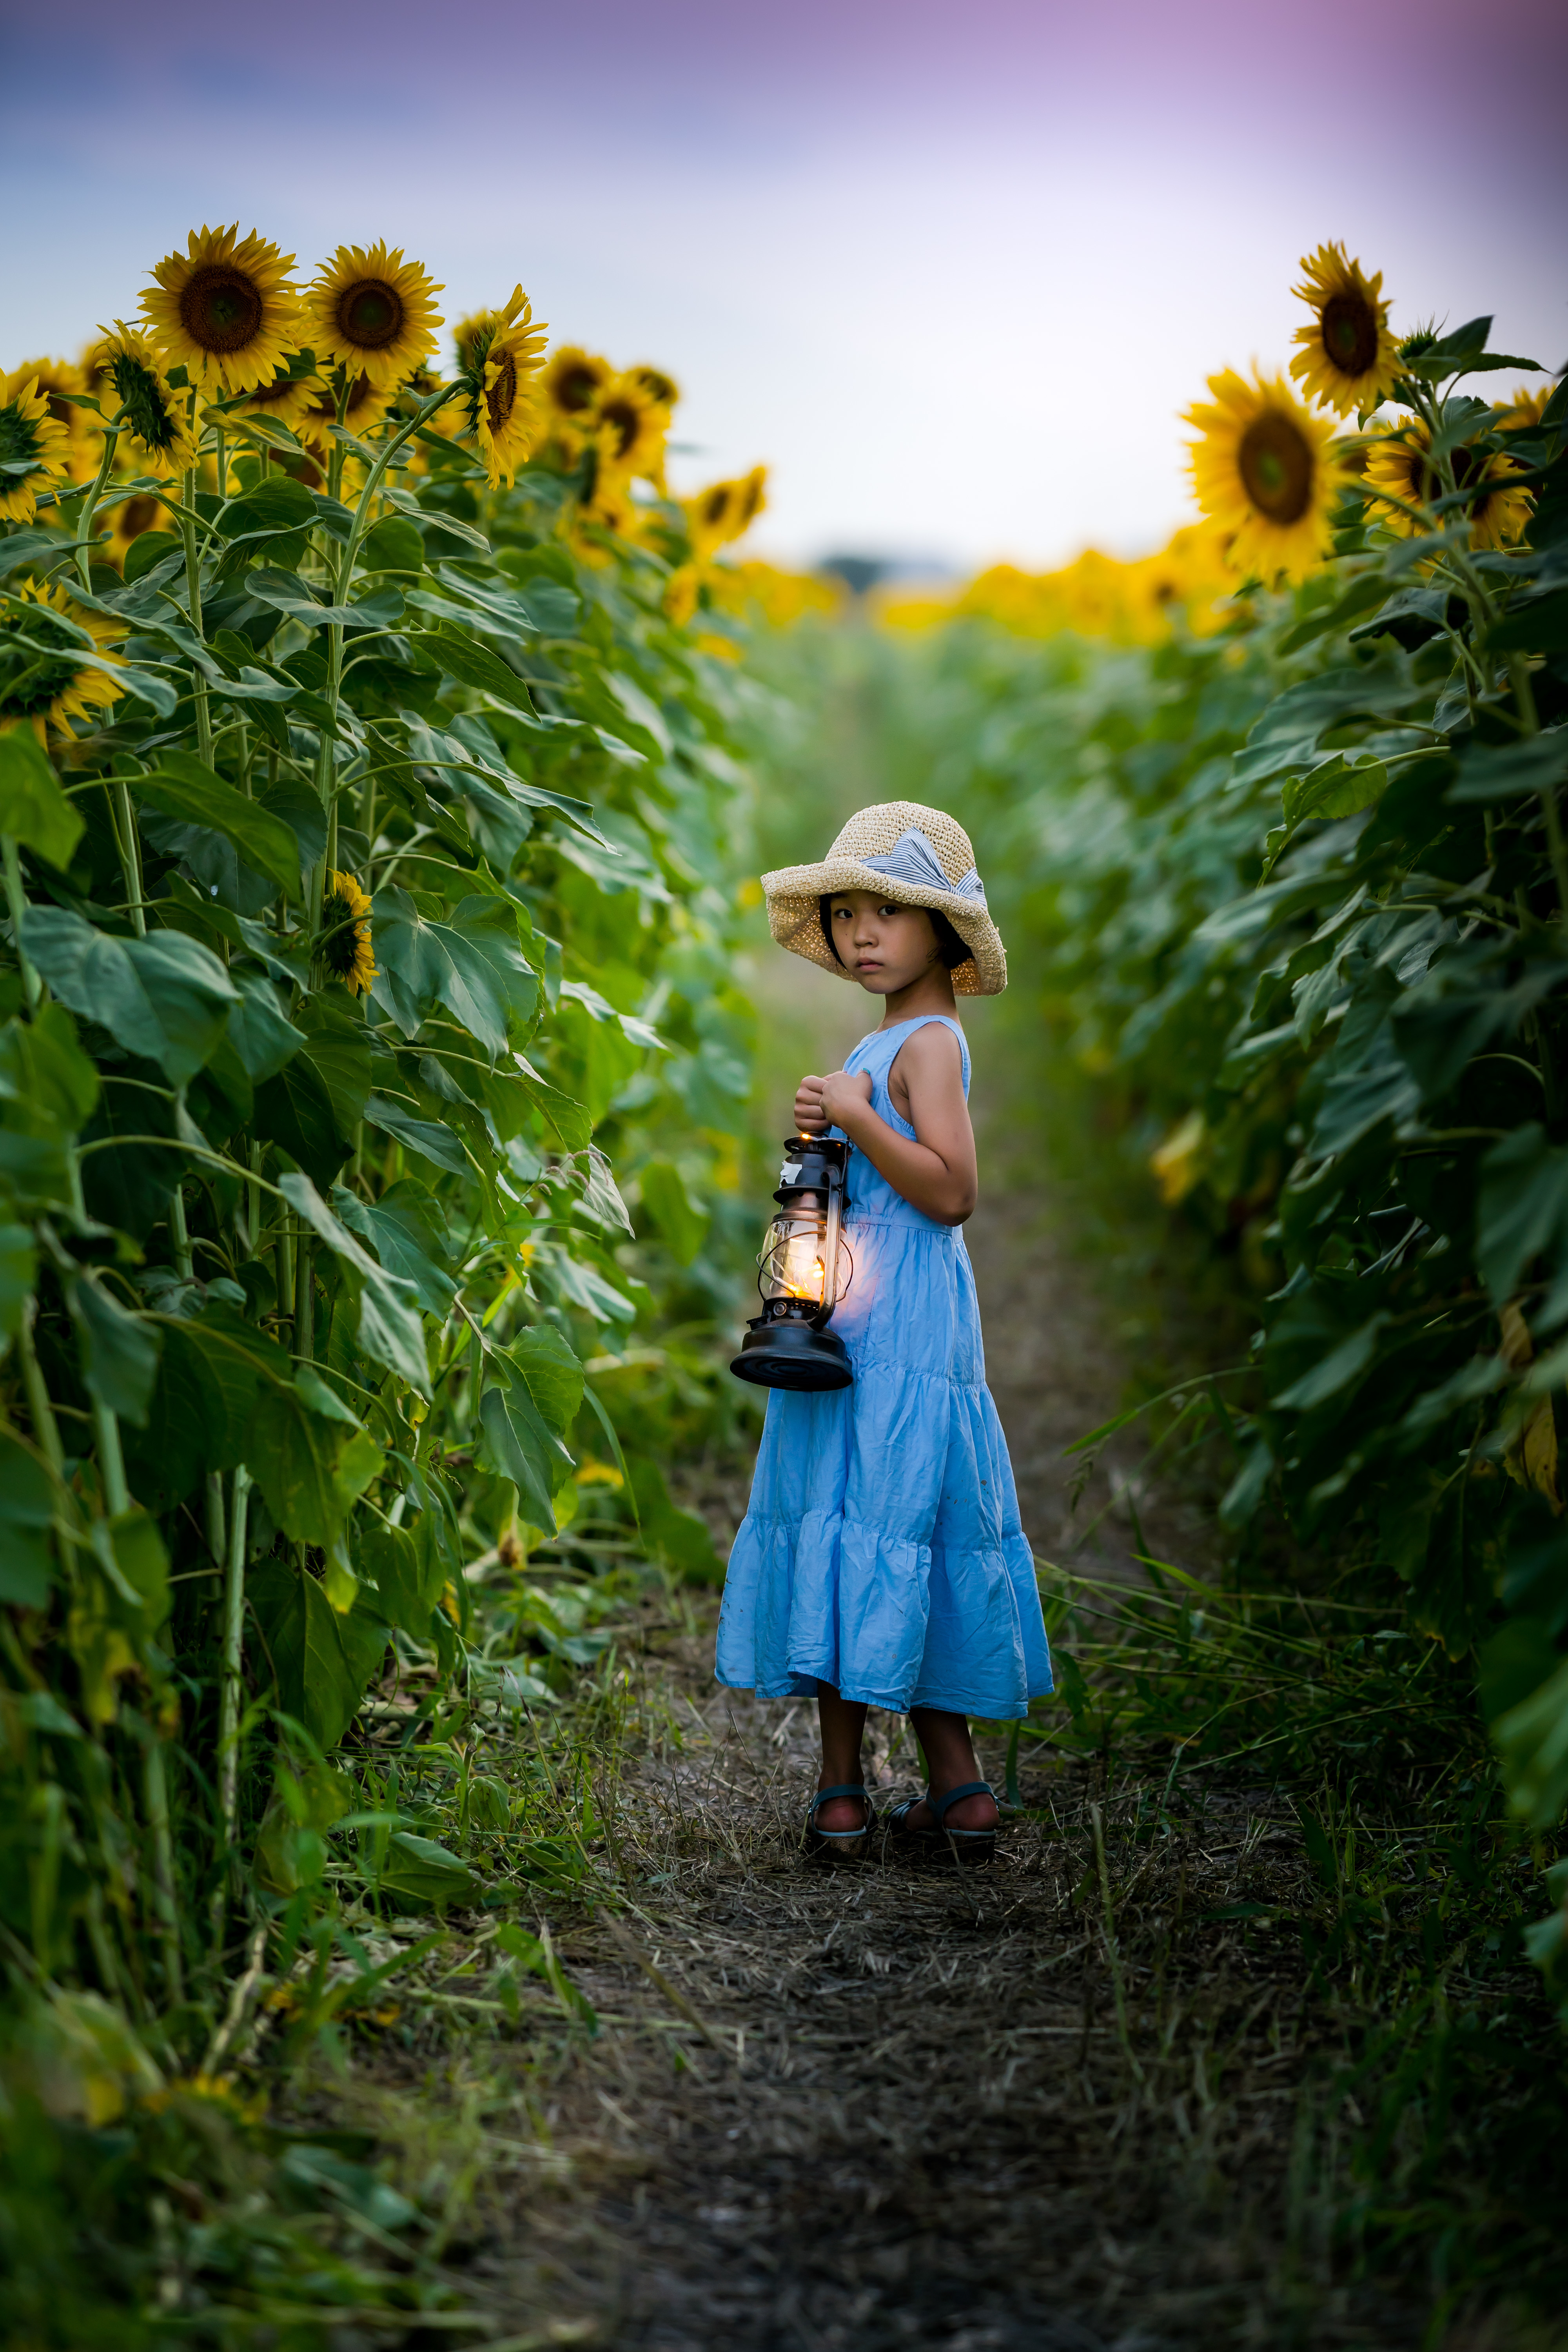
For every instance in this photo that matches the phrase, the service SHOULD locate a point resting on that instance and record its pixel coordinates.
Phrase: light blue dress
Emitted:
(882, 1550)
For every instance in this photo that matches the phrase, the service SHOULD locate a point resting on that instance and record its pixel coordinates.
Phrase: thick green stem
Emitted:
(179, 1232)
(110, 1459)
(155, 1799)
(46, 1428)
(231, 1691)
(89, 508)
(193, 596)
(304, 1299)
(16, 901)
(130, 854)
(324, 774)
(286, 1266)
(253, 1191)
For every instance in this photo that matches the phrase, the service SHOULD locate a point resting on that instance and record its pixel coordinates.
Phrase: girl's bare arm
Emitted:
(936, 1173)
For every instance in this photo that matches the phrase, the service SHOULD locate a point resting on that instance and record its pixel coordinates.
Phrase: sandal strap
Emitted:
(844, 1788)
(939, 1806)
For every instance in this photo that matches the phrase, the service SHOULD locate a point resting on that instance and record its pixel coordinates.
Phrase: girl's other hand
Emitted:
(820, 1103)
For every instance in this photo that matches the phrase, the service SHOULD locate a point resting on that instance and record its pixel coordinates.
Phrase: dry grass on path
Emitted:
(1035, 2105)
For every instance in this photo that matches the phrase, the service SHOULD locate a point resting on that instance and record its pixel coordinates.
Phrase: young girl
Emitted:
(880, 1562)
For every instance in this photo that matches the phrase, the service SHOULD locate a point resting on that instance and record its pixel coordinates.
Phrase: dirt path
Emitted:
(890, 2106)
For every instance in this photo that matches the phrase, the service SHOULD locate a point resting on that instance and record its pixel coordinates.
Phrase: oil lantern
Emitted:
(788, 1345)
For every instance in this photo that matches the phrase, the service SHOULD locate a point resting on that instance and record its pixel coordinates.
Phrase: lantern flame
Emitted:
(799, 1268)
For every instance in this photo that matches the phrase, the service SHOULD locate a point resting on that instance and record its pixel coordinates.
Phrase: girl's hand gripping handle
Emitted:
(820, 1103)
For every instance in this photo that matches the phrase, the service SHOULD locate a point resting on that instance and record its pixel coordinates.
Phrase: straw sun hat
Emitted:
(903, 850)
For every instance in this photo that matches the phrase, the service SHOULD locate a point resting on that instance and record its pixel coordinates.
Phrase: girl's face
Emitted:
(887, 947)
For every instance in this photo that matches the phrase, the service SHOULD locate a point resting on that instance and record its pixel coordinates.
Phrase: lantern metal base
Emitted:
(787, 1354)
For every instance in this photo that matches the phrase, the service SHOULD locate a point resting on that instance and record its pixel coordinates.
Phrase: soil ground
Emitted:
(1063, 2103)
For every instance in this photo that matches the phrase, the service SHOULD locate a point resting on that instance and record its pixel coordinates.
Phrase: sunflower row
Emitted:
(1096, 596)
(365, 803)
(280, 374)
(1276, 480)
(1275, 477)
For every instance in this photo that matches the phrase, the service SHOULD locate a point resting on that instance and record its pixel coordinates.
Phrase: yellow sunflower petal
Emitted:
(344, 944)
(371, 312)
(1265, 472)
(226, 310)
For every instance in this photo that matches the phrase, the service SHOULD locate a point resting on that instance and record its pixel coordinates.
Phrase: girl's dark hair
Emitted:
(952, 949)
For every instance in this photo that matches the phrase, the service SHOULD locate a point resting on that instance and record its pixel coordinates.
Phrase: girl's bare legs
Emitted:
(951, 1761)
(842, 1722)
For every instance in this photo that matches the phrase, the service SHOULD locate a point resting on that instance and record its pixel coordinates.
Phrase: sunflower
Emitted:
(1525, 409)
(51, 688)
(499, 355)
(1401, 465)
(156, 418)
(1266, 472)
(343, 945)
(724, 509)
(681, 592)
(132, 518)
(226, 310)
(34, 448)
(631, 429)
(571, 389)
(56, 379)
(660, 388)
(367, 405)
(288, 395)
(1351, 361)
(373, 311)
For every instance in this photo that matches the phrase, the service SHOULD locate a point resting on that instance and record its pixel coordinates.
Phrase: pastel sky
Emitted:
(953, 267)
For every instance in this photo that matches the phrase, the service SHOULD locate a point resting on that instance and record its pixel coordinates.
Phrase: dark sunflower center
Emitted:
(715, 506)
(221, 308)
(500, 397)
(574, 389)
(18, 439)
(370, 314)
(35, 681)
(1350, 332)
(657, 386)
(148, 413)
(622, 419)
(1275, 461)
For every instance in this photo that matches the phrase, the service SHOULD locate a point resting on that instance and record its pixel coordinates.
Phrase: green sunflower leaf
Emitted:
(181, 786)
(165, 997)
(390, 1331)
(33, 809)
(472, 964)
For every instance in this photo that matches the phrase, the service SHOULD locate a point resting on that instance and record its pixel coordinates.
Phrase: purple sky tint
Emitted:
(952, 269)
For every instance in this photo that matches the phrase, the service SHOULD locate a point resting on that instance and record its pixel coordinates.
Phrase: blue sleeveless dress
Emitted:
(882, 1550)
